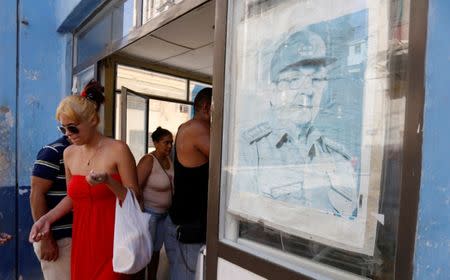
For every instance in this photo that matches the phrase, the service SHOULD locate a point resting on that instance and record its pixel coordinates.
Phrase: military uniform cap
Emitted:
(302, 48)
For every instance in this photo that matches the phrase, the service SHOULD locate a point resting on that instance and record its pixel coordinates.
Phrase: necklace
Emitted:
(97, 148)
(162, 161)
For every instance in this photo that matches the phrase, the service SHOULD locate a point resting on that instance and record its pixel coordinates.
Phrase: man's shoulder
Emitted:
(193, 127)
(199, 124)
(53, 149)
(50, 159)
(58, 146)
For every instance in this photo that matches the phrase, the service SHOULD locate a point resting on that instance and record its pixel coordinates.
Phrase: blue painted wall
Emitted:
(432, 255)
(44, 79)
(31, 85)
(8, 214)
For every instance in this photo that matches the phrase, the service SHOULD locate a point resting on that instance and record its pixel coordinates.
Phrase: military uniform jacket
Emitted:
(306, 169)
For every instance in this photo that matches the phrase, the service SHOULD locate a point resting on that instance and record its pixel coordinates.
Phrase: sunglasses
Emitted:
(70, 128)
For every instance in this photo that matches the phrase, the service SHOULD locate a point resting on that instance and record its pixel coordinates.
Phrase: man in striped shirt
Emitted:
(48, 188)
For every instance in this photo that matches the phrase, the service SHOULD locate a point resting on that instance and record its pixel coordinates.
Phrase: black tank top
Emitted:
(189, 203)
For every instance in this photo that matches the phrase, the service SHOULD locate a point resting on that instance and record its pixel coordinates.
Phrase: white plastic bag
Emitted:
(133, 246)
(200, 268)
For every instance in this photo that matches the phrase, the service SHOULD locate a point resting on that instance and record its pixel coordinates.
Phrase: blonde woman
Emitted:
(98, 170)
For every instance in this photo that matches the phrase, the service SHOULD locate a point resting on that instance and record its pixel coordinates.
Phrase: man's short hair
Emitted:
(204, 96)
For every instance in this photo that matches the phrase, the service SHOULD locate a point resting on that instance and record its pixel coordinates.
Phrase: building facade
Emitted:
(366, 194)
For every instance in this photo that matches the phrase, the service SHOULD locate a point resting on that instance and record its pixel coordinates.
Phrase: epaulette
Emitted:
(328, 144)
(257, 133)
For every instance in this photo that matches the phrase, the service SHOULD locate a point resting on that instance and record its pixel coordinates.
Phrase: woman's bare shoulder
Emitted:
(146, 159)
(71, 149)
(113, 144)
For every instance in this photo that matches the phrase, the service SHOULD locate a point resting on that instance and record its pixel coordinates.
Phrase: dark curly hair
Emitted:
(160, 133)
(93, 91)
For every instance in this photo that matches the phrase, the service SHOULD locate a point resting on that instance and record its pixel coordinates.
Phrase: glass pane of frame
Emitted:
(112, 23)
(94, 39)
(194, 88)
(123, 19)
(314, 113)
(82, 78)
(153, 8)
(136, 115)
(168, 115)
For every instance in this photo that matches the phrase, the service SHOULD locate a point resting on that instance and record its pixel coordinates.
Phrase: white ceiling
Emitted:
(186, 43)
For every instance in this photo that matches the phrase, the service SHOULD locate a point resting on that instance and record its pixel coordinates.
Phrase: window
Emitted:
(153, 8)
(82, 78)
(184, 108)
(113, 23)
(311, 174)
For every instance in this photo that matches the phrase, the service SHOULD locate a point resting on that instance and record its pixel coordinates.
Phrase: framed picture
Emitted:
(307, 119)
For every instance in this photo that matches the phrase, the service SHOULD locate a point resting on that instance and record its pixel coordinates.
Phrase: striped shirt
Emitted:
(49, 165)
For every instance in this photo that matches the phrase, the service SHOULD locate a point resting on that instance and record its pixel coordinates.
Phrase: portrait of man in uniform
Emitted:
(288, 158)
(301, 154)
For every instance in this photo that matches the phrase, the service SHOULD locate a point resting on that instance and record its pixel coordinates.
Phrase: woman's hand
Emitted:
(39, 230)
(94, 178)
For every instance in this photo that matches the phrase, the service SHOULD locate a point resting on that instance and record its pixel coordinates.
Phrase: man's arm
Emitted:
(39, 187)
(45, 170)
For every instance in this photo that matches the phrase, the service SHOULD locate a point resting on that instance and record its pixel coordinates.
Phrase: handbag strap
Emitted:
(168, 176)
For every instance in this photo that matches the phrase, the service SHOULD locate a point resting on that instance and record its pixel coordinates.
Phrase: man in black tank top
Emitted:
(189, 203)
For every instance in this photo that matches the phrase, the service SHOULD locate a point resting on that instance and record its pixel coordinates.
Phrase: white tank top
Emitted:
(157, 191)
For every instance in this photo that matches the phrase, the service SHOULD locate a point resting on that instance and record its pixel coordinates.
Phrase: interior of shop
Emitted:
(160, 74)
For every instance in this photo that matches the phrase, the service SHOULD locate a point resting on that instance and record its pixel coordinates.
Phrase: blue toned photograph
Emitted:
(299, 108)
(306, 150)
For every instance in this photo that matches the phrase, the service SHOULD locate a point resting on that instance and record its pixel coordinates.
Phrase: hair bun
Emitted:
(94, 92)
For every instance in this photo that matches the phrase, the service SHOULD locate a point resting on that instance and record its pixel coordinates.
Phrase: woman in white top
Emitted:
(155, 176)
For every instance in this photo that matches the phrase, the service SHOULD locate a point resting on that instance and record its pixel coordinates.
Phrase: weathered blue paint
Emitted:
(28, 266)
(44, 75)
(35, 74)
(8, 224)
(8, 86)
(432, 254)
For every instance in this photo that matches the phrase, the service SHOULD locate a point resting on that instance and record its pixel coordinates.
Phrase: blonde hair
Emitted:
(77, 108)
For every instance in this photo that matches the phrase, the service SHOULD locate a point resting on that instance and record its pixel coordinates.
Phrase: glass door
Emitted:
(146, 99)
(133, 124)
(141, 114)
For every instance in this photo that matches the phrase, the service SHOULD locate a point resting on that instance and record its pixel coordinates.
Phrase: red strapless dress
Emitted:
(93, 230)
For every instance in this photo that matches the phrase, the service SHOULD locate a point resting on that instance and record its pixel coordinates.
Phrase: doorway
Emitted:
(145, 100)
(154, 80)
